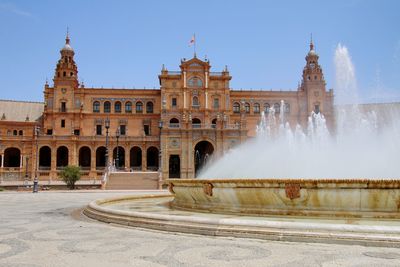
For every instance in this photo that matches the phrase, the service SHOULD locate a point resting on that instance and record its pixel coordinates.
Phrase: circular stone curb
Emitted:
(235, 226)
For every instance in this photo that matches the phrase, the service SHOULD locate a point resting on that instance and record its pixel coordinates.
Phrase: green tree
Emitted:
(70, 174)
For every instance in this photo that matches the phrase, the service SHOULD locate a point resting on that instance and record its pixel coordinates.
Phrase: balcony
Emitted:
(216, 73)
(173, 72)
(174, 125)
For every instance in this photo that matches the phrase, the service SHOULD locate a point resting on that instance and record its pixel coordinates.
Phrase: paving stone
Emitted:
(47, 229)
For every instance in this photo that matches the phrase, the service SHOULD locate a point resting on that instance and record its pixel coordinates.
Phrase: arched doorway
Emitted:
(62, 156)
(12, 157)
(135, 158)
(45, 158)
(202, 153)
(174, 166)
(120, 162)
(85, 157)
(100, 157)
(152, 158)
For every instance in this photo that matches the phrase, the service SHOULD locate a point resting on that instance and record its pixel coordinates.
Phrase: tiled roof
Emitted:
(11, 110)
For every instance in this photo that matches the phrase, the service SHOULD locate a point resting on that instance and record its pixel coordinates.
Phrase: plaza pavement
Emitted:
(48, 229)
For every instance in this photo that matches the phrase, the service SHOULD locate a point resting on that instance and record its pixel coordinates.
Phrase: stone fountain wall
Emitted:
(342, 198)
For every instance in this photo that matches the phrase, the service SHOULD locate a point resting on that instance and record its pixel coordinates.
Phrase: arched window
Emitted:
(128, 107)
(20, 132)
(96, 106)
(195, 101)
(214, 123)
(149, 107)
(196, 123)
(139, 107)
(15, 132)
(287, 108)
(247, 107)
(107, 107)
(277, 108)
(236, 107)
(266, 107)
(195, 82)
(117, 107)
(256, 108)
(216, 103)
(174, 123)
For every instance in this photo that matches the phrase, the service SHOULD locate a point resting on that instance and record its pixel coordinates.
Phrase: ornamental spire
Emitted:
(67, 37)
(311, 43)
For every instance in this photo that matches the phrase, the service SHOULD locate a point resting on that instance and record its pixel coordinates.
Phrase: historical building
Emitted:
(193, 115)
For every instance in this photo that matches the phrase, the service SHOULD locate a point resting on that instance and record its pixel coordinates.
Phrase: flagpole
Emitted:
(194, 45)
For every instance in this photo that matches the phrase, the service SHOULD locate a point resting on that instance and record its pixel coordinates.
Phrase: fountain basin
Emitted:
(301, 197)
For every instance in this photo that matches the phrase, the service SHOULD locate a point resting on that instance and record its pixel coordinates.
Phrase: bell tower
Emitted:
(313, 83)
(64, 99)
(66, 73)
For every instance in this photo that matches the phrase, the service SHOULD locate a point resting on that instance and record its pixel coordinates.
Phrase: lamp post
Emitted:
(36, 179)
(26, 171)
(117, 135)
(107, 124)
(160, 126)
(26, 168)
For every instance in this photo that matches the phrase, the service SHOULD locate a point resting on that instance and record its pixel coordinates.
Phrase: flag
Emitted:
(192, 41)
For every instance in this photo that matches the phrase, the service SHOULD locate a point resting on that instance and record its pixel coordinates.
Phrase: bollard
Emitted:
(35, 185)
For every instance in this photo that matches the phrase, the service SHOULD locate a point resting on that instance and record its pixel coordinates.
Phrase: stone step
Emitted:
(132, 180)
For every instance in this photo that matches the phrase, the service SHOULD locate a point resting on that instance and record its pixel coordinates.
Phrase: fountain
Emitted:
(353, 173)
(286, 170)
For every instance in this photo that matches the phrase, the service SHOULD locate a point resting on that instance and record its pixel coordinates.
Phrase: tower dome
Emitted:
(312, 51)
(67, 46)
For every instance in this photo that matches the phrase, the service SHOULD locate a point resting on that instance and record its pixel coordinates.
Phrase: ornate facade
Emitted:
(193, 115)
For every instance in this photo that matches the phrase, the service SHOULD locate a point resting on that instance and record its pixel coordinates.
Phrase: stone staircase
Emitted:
(132, 180)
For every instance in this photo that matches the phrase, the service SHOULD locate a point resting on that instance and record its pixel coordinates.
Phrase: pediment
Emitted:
(195, 65)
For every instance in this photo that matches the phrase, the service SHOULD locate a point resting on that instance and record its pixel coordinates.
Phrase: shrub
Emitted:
(71, 174)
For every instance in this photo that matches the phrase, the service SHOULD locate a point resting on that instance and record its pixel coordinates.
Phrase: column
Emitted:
(92, 159)
(144, 159)
(206, 82)
(184, 99)
(184, 79)
(21, 160)
(75, 159)
(127, 162)
(53, 170)
(206, 100)
(2, 160)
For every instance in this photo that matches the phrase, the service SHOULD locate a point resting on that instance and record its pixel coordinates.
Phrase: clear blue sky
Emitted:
(124, 43)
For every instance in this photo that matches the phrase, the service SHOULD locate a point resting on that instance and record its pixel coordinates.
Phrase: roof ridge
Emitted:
(21, 101)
